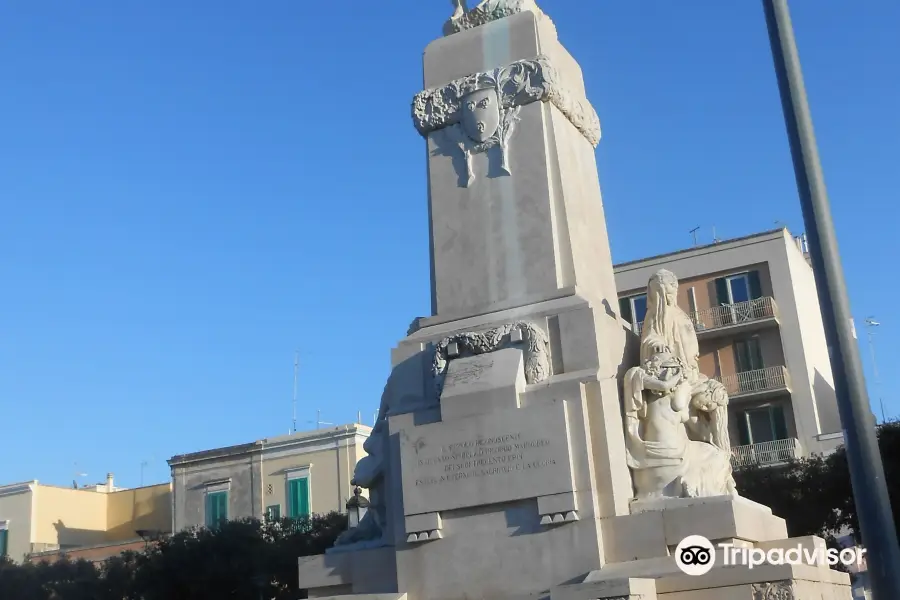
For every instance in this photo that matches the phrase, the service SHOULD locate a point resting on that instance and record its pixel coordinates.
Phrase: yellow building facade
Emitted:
(287, 476)
(37, 518)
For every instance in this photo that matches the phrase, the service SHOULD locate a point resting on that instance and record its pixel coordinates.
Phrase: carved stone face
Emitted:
(481, 114)
(670, 289)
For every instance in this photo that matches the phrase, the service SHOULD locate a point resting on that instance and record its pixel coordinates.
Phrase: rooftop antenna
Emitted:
(144, 464)
(693, 233)
(716, 239)
(294, 401)
(319, 421)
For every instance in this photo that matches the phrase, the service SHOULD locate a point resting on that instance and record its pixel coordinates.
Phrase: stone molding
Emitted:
(519, 84)
(773, 590)
(486, 12)
(536, 349)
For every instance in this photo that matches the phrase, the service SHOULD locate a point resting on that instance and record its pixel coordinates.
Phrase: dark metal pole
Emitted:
(873, 505)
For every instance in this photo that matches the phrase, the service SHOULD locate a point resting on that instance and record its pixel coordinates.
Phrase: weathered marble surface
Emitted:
(486, 11)
(676, 418)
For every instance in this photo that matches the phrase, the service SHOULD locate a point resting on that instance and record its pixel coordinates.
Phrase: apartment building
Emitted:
(754, 306)
(288, 476)
(44, 521)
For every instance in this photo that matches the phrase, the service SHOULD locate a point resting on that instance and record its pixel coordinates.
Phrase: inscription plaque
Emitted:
(498, 457)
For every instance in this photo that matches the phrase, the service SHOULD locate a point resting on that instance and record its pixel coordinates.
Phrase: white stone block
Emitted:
(481, 384)
(498, 457)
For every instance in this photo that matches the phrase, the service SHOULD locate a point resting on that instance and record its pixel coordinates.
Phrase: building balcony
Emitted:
(735, 318)
(765, 453)
(729, 319)
(759, 383)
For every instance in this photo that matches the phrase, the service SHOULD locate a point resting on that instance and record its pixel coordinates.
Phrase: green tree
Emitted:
(814, 494)
(239, 560)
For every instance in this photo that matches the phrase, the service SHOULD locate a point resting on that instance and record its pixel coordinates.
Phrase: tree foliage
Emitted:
(240, 560)
(814, 494)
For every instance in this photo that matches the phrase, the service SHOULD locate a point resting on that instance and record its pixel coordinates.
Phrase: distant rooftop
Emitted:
(300, 436)
(717, 244)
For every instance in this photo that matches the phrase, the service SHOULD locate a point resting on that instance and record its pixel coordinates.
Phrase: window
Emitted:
(298, 494)
(737, 292)
(634, 308)
(273, 513)
(216, 507)
(4, 538)
(748, 355)
(764, 424)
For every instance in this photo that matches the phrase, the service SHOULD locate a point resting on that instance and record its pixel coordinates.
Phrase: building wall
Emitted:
(146, 508)
(330, 456)
(16, 510)
(785, 275)
(257, 474)
(815, 348)
(236, 470)
(68, 517)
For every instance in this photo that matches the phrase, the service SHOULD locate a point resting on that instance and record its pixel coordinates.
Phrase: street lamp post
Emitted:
(871, 324)
(866, 470)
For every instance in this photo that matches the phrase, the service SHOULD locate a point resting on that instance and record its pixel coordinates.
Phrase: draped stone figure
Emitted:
(677, 438)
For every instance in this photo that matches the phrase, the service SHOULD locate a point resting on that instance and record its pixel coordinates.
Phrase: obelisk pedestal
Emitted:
(497, 467)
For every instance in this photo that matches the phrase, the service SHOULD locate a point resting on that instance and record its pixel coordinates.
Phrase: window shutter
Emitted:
(303, 492)
(722, 291)
(4, 542)
(756, 348)
(223, 507)
(779, 423)
(625, 309)
(755, 285)
(210, 510)
(743, 429)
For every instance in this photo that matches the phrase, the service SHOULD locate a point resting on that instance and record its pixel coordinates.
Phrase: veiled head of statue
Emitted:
(664, 285)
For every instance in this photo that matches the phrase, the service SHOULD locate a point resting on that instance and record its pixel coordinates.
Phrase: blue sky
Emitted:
(190, 191)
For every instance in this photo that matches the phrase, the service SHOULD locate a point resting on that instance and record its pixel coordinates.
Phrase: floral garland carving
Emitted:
(536, 350)
(521, 83)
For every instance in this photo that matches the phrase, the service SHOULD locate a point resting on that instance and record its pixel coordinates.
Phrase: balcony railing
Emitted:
(765, 453)
(728, 315)
(735, 314)
(760, 380)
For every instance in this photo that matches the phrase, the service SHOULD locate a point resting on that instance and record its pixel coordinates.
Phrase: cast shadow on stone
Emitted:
(445, 145)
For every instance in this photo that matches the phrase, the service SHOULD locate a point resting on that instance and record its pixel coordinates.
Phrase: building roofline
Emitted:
(214, 453)
(338, 432)
(702, 249)
(17, 488)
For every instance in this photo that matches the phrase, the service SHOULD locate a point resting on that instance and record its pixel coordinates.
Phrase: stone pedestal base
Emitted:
(367, 574)
(769, 583)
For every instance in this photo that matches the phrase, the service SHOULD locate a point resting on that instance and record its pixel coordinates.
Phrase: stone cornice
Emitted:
(521, 83)
(486, 12)
(17, 488)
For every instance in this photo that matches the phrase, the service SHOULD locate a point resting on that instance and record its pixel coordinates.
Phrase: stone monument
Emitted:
(503, 464)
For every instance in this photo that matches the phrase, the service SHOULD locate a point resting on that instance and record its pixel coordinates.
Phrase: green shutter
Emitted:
(223, 506)
(298, 497)
(4, 542)
(779, 423)
(757, 356)
(625, 309)
(754, 284)
(722, 291)
(216, 508)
